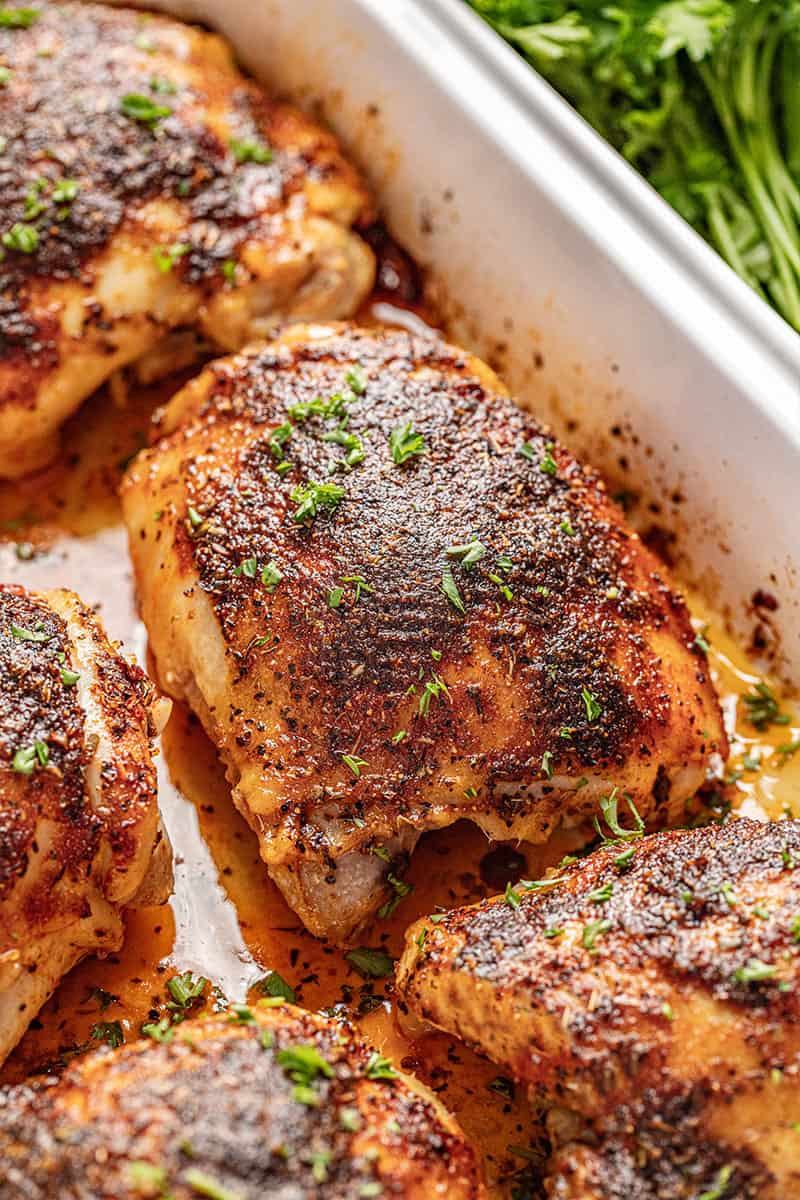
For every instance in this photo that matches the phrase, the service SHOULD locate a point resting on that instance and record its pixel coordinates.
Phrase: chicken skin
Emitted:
(394, 602)
(80, 838)
(261, 1102)
(146, 186)
(649, 995)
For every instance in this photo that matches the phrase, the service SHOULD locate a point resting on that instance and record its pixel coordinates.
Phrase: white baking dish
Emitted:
(603, 310)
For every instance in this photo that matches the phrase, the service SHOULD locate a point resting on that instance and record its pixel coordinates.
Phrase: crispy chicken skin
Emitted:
(226, 1109)
(80, 837)
(653, 994)
(354, 703)
(145, 185)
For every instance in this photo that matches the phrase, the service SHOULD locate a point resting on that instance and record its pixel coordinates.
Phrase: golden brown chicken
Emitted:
(80, 838)
(255, 1103)
(649, 994)
(394, 602)
(146, 185)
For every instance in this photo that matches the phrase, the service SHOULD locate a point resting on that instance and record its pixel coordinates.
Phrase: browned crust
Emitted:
(216, 1100)
(52, 801)
(36, 705)
(660, 1149)
(60, 118)
(666, 908)
(350, 671)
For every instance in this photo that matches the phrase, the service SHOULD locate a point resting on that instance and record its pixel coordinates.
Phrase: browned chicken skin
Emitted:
(258, 1103)
(357, 704)
(146, 185)
(80, 838)
(651, 997)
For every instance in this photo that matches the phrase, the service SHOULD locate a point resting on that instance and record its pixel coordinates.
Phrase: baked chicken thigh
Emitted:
(146, 185)
(648, 994)
(80, 837)
(395, 602)
(257, 1103)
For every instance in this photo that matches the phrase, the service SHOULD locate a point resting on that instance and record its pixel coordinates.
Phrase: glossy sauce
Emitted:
(226, 920)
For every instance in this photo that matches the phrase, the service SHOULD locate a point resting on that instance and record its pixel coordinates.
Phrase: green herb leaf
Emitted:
(370, 964)
(404, 443)
(450, 589)
(143, 108)
(249, 150)
(275, 985)
(21, 237)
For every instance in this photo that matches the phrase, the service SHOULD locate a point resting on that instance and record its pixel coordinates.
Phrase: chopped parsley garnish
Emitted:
(160, 1031)
(763, 709)
(700, 644)
(206, 1185)
(351, 442)
(37, 634)
(350, 1120)
(276, 986)
(512, 897)
(505, 590)
(229, 271)
(185, 990)
(335, 597)
(602, 894)
(370, 964)
(5, 76)
(108, 1031)
(240, 1014)
(310, 497)
(794, 929)
(404, 443)
(248, 568)
(719, 1186)
(304, 1065)
(249, 150)
(319, 1160)
(21, 237)
(280, 436)
(163, 87)
(450, 589)
(355, 381)
(434, 688)
(27, 758)
(538, 885)
(195, 520)
(354, 763)
(547, 764)
(593, 709)
(548, 465)
(567, 527)
(18, 18)
(553, 931)
(527, 451)
(379, 1067)
(753, 972)
(142, 108)
(146, 1177)
(592, 931)
(335, 406)
(271, 575)
(469, 553)
(609, 806)
(360, 584)
(165, 257)
(401, 890)
(398, 737)
(625, 858)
